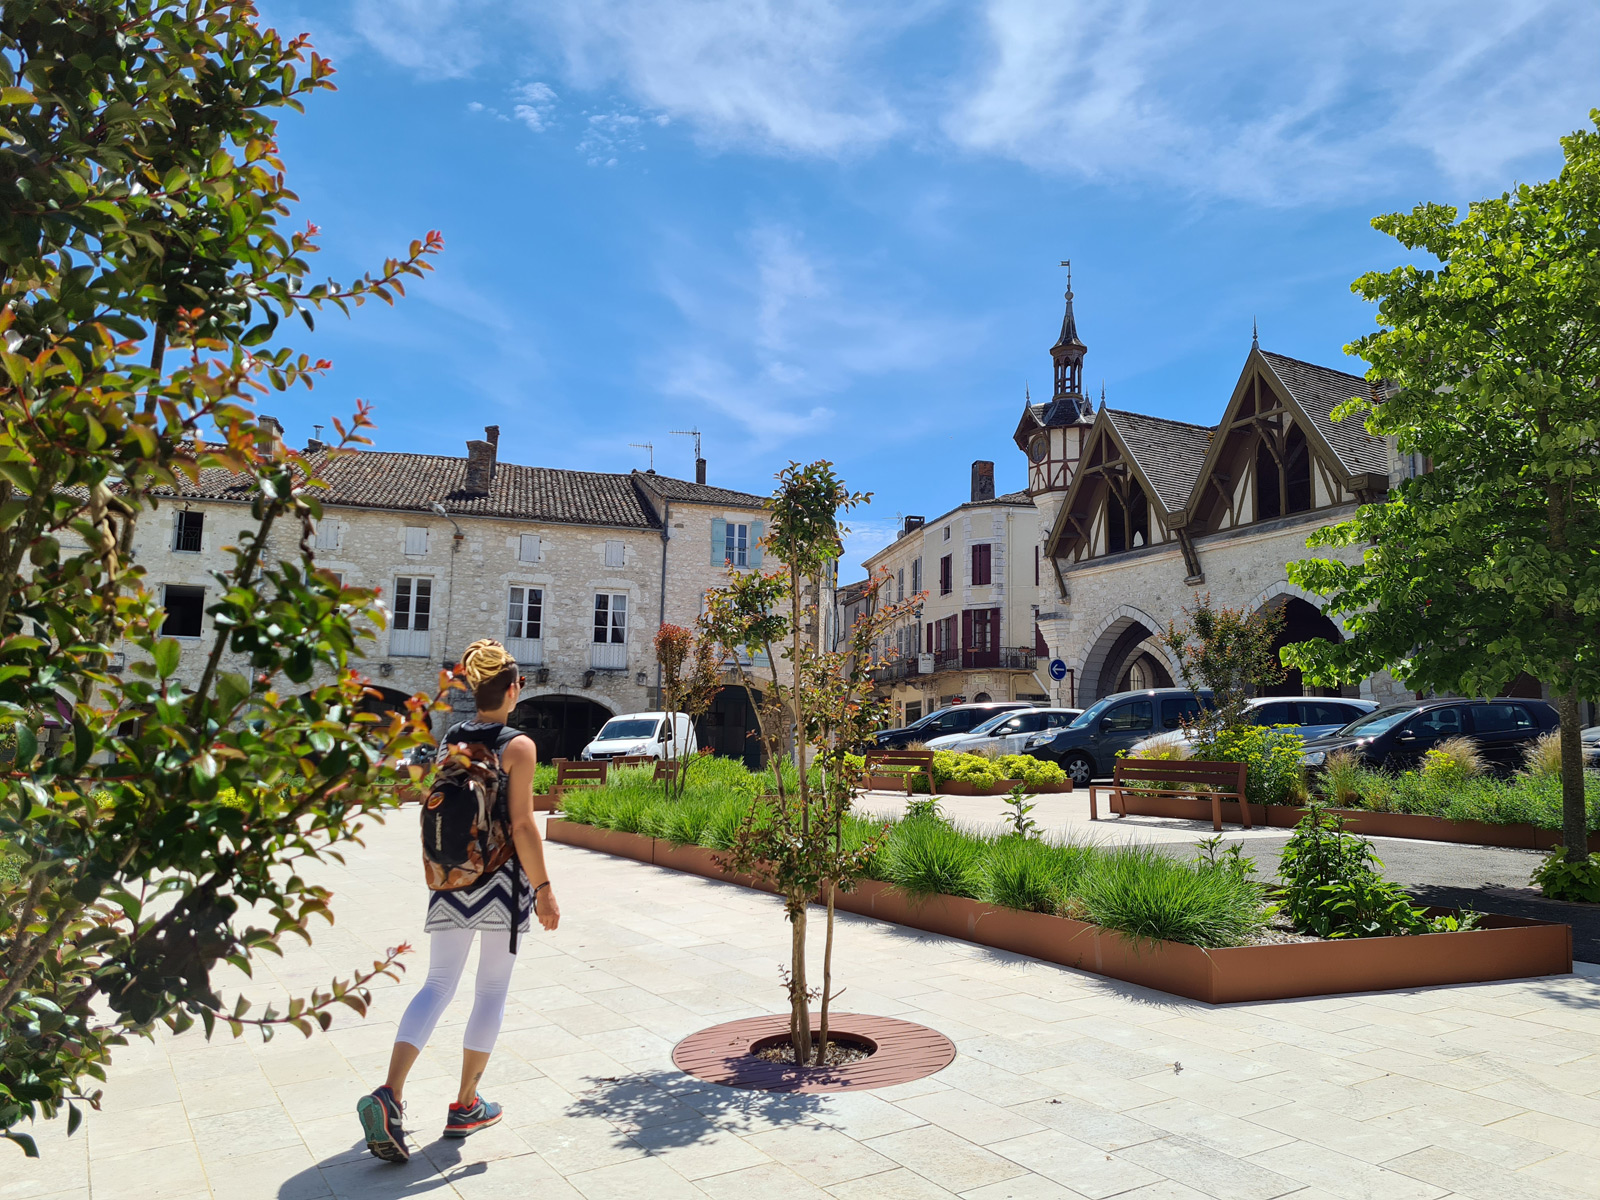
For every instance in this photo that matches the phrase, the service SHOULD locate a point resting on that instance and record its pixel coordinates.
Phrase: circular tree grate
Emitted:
(903, 1052)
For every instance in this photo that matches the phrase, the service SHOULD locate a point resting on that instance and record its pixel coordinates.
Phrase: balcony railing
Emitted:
(905, 667)
(608, 656)
(1005, 658)
(946, 660)
(529, 652)
(408, 643)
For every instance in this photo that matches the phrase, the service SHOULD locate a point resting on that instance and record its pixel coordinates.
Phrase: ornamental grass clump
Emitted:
(927, 858)
(1454, 760)
(1031, 875)
(1141, 892)
(1542, 759)
(1341, 778)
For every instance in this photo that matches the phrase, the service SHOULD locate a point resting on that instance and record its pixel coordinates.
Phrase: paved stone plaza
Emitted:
(1066, 1085)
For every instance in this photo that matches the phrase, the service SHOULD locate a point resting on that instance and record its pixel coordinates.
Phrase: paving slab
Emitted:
(1065, 1085)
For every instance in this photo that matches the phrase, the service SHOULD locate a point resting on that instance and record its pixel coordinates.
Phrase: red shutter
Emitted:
(994, 631)
(966, 629)
(930, 638)
(1039, 646)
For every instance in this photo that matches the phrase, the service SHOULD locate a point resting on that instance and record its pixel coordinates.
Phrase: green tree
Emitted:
(152, 831)
(1487, 565)
(1229, 651)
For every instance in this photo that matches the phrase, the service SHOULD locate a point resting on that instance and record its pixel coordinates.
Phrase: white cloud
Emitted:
(1282, 103)
(435, 37)
(784, 75)
(778, 334)
(535, 103)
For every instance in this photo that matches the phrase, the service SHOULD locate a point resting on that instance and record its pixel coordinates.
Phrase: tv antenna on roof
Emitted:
(694, 433)
(650, 449)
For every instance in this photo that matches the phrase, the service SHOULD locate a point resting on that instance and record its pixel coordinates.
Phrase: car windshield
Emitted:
(995, 721)
(1378, 721)
(628, 727)
(1092, 715)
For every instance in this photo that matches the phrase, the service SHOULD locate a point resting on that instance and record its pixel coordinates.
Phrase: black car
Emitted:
(1087, 749)
(957, 718)
(1397, 736)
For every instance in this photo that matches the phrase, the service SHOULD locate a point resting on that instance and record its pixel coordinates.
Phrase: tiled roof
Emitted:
(1014, 498)
(411, 482)
(1318, 391)
(1169, 453)
(698, 493)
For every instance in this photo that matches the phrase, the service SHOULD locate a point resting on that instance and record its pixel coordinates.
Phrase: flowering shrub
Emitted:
(1271, 754)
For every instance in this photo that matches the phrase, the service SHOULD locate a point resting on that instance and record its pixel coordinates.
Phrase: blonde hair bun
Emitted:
(485, 659)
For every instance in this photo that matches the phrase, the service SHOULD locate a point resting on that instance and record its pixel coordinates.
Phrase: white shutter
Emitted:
(615, 554)
(528, 548)
(328, 535)
(416, 539)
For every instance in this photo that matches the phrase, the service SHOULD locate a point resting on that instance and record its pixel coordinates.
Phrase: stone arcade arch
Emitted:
(561, 724)
(1126, 639)
(1303, 621)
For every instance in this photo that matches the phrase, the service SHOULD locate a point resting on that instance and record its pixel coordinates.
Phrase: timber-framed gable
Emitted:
(1277, 453)
(1131, 488)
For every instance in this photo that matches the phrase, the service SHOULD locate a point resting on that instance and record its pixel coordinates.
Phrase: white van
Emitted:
(653, 734)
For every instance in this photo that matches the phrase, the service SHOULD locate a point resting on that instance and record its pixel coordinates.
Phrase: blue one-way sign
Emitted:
(1058, 670)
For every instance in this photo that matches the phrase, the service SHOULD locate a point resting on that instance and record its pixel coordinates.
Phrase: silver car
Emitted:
(1006, 732)
(1309, 716)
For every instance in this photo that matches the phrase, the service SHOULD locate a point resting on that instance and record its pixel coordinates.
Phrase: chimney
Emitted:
(480, 468)
(271, 424)
(982, 480)
(910, 524)
(315, 446)
(699, 470)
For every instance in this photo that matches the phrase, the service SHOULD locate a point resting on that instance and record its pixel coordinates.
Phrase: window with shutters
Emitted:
(416, 539)
(615, 554)
(899, 585)
(413, 615)
(328, 535)
(186, 608)
(916, 576)
(946, 576)
(187, 530)
(980, 564)
(609, 648)
(736, 544)
(525, 613)
(528, 548)
(610, 618)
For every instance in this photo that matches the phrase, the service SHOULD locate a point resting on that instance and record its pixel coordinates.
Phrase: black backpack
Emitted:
(466, 818)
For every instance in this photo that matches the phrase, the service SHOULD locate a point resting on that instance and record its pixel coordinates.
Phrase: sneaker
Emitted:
(469, 1118)
(381, 1115)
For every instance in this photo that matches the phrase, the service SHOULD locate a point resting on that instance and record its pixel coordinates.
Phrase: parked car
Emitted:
(1005, 732)
(1309, 716)
(652, 734)
(1088, 747)
(1397, 736)
(1591, 747)
(957, 718)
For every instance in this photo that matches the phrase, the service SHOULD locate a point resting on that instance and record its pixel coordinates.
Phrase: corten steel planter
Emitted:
(960, 787)
(1519, 836)
(1504, 948)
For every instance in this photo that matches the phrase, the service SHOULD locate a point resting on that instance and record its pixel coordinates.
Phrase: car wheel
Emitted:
(1079, 769)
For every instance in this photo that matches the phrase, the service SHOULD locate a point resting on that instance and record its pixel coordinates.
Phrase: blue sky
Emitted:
(822, 229)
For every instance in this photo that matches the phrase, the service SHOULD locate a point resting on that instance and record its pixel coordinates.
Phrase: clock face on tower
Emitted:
(1039, 447)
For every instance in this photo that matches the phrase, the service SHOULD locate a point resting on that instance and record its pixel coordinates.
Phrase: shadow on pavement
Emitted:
(354, 1174)
(668, 1108)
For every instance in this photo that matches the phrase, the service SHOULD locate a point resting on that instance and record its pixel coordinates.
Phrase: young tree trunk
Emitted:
(1574, 811)
(799, 1005)
(827, 981)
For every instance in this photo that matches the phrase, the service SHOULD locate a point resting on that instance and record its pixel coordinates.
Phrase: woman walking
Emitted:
(492, 910)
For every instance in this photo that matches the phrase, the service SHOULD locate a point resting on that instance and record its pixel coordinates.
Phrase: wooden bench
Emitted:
(906, 763)
(579, 774)
(666, 770)
(1161, 777)
(632, 760)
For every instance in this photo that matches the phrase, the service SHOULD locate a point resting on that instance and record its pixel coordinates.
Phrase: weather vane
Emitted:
(1067, 263)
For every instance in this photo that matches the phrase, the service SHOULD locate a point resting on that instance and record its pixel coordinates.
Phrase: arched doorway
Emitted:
(1128, 665)
(1143, 672)
(560, 726)
(1302, 622)
(388, 700)
(729, 727)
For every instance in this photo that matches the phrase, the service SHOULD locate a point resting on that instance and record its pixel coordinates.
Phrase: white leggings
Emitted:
(447, 958)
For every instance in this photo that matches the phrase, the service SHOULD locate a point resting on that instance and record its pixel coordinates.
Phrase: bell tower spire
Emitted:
(1068, 352)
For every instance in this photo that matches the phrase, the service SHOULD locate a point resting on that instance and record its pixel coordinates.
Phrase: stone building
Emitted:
(973, 639)
(573, 570)
(1126, 520)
